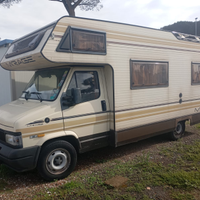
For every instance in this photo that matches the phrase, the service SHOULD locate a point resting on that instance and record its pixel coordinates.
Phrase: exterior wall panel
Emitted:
(125, 42)
(5, 81)
(11, 83)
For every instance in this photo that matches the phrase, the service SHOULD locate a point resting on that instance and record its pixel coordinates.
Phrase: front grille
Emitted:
(2, 135)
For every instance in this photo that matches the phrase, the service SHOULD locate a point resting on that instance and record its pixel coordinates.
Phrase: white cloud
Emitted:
(30, 15)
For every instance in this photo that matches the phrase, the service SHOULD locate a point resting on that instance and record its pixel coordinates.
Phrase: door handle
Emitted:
(103, 105)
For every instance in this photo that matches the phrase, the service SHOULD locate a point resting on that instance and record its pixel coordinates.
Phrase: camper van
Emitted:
(96, 83)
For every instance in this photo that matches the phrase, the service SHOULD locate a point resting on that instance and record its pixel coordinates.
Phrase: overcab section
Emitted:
(25, 53)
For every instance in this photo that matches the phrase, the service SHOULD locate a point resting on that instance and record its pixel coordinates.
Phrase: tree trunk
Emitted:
(71, 12)
(69, 7)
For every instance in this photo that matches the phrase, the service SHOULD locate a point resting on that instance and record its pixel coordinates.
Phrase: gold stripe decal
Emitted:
(155, 111)
(94, 120)
(68, 124)
(43, 128)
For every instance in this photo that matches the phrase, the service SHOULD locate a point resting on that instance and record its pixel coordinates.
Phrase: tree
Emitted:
(8, 3)
(183, 27)
(70, 5)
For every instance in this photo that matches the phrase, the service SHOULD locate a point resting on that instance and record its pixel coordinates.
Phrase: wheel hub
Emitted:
(178, 128)
(58, 161)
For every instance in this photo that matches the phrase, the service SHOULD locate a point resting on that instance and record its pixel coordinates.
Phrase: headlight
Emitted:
(14, 140)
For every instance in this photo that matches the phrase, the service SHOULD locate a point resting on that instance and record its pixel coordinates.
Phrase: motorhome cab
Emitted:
(96, 83)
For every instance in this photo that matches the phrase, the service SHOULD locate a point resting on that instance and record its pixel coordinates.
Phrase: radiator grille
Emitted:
(2, 135)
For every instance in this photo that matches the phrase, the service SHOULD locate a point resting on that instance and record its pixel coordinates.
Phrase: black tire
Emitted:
(57, 160)
(178, 132)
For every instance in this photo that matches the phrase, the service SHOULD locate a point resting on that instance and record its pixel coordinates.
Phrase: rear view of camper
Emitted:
(96, 83)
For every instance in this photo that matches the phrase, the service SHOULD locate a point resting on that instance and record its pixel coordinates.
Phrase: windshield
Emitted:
(45, 84)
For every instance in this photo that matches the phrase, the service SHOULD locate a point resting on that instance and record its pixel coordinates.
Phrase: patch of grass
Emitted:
(4, 186)
(138, 187)
(172, 165)
(71, 185)
(181, 179)
(71, 190)
(108, 197)
(145, 197)
(192, 152)
(197, 126)
(101, 161)
(127, 197)
(6, 172)
(182, 196)
(117, 161)
(180, 172)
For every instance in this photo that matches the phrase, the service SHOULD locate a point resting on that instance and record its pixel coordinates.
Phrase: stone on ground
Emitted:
(117, 181)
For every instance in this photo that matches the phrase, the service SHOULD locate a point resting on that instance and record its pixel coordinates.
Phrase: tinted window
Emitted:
(83, 41)
(65, 45)
(88, 41)
(88, 84)
(25, 45)
(195, 73)
(149, 74)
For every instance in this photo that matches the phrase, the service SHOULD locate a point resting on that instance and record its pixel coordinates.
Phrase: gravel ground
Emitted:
(27, 185)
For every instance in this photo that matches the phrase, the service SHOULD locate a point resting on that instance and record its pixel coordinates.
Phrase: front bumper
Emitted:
(19, 159)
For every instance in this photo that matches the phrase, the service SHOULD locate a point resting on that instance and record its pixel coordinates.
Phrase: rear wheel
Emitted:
(57, 160)
(178, 132)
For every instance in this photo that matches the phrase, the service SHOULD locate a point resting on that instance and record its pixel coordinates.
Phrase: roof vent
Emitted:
(186, 37)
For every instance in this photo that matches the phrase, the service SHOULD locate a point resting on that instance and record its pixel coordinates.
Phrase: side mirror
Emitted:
(72, 100)
(76, 93)
(67, 100)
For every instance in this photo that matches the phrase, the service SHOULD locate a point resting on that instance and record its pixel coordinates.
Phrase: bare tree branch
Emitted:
(77, 3)
(8, 3)
(85, 4)
(70, 5)
(90, 5)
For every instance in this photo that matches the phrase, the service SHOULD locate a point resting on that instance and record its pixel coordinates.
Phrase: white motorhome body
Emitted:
(97, 83)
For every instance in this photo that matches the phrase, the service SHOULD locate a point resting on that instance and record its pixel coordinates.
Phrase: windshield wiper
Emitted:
(37, 94)
(26, 92)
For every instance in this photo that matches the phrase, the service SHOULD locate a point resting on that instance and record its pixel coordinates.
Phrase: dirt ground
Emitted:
(26, 185)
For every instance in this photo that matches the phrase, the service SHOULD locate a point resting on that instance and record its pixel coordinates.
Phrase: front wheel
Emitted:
(57, 160)
(178, 132)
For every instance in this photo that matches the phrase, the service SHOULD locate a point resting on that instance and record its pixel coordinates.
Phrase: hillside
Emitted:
(183, 27)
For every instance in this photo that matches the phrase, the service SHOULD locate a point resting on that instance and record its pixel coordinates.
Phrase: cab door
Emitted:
(89, 118)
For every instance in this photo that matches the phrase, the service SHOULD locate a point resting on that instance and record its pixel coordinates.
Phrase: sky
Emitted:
(28, 16)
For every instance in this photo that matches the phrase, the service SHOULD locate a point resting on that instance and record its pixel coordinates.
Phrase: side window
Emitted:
(25, 45)
(83, 41)
(88, 41)
(87, 82)
(195, 73)
(71, 85)
(148, 74)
